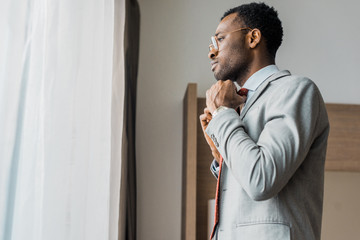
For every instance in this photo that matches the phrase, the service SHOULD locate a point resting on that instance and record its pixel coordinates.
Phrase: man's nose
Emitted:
(212, 52)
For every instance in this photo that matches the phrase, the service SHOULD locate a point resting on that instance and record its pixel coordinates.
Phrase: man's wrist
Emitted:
(219, 109)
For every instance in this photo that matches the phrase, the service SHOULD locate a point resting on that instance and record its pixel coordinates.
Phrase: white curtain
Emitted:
(60, 135)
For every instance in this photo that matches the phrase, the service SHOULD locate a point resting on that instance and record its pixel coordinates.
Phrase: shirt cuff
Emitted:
(214, 168)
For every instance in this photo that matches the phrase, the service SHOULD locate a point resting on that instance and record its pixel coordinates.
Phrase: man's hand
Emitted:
(204, 121)
(223, 93)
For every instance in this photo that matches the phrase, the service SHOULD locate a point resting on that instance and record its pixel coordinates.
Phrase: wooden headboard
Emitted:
(198, 185)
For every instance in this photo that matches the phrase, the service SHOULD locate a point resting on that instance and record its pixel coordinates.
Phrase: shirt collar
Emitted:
(259, 77)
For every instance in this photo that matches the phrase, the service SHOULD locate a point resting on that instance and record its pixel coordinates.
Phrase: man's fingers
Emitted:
(204, 119)
(239, 100)
(207, 113)
(207, 94)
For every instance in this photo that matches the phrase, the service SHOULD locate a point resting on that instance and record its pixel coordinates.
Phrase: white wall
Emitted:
(321, 41)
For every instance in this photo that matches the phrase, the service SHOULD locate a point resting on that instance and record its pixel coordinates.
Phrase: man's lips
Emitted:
(213, 65)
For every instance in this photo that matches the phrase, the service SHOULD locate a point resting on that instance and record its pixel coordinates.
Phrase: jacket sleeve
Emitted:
(264, 167)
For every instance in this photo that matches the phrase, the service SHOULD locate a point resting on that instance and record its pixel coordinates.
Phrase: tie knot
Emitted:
(243, 92)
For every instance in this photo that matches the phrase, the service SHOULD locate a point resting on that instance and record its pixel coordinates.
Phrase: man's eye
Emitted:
(220, 39)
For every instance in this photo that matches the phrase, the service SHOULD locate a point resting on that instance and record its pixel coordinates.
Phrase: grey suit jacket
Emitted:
(272, 179)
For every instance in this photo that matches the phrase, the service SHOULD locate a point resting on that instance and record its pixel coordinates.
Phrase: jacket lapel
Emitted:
(261, 89)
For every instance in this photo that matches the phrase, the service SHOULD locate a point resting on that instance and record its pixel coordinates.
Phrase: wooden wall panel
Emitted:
(189, 179)
(343, 152)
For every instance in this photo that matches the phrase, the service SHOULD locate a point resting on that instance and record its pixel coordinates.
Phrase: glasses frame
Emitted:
(214, 40)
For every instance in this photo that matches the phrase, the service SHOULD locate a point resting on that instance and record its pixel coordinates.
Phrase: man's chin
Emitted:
(224, 78)
(217, 76)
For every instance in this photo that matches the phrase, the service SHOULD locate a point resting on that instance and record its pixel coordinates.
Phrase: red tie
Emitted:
(241, 92)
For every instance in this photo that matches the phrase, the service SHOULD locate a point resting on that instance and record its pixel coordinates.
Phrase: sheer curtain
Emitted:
(62, 83)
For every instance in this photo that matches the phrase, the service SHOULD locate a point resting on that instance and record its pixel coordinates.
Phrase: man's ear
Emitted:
(254, 38)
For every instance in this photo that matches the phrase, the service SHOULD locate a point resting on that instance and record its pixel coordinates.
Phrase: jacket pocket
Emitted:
(262, 231)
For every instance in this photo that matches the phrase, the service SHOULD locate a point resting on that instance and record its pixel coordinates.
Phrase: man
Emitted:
(271, 155)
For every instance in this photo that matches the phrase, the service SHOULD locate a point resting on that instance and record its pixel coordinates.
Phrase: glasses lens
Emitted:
(214, 43)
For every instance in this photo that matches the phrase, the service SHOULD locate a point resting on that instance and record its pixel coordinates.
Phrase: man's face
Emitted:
(232, 59)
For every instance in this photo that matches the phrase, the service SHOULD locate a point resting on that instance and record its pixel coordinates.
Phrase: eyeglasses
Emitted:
(214, 40)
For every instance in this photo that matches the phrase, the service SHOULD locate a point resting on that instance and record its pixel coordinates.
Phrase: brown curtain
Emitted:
(131, 49)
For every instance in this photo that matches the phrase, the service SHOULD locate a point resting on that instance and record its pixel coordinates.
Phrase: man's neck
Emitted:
(253, 69)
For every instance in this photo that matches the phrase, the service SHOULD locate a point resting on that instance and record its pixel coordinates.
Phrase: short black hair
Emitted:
(264, 18)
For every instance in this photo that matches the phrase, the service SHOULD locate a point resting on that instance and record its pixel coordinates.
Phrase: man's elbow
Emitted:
(261, 193)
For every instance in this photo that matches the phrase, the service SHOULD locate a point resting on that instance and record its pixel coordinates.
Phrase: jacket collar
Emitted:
(261, 89)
